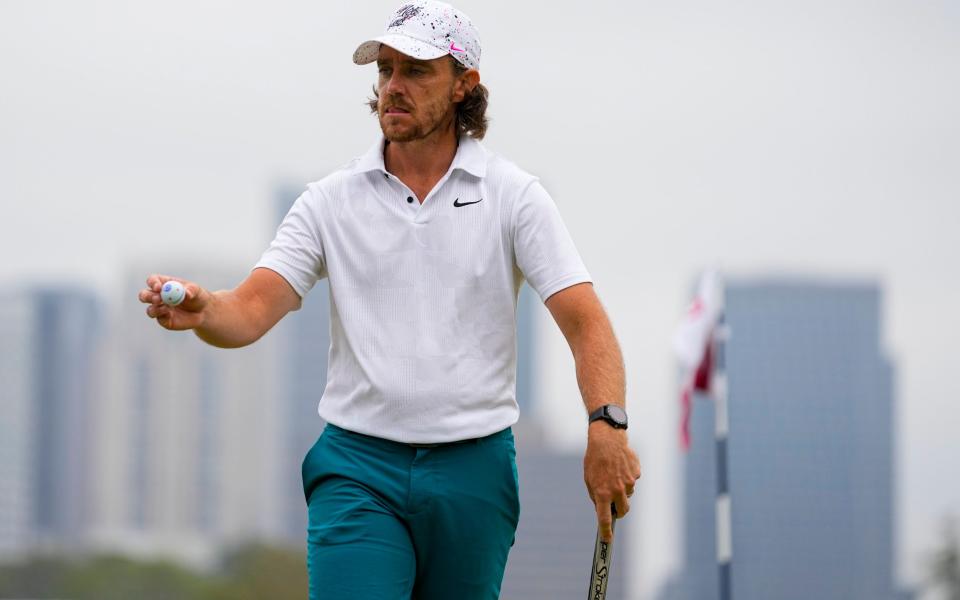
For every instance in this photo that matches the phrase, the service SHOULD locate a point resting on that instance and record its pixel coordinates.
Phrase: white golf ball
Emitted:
(172, 293)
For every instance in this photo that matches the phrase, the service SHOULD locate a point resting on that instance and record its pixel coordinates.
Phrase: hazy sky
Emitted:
(804, 137)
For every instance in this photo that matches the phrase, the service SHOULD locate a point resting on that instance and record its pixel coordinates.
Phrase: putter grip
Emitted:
(602, 555)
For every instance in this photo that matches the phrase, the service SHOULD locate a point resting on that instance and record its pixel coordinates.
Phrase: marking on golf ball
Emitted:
(172, 293)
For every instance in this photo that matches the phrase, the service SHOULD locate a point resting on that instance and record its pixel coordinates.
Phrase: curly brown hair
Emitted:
(472, 117)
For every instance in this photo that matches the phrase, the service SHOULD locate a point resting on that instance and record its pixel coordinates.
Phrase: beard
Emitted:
(418, 123)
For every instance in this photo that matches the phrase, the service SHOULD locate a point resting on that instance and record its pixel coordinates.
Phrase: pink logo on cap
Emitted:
(453, 48)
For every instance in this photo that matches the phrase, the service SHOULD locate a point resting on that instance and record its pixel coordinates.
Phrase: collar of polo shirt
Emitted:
(471, 157)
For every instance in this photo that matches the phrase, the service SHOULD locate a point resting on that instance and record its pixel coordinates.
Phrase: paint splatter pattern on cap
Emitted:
(427, 30)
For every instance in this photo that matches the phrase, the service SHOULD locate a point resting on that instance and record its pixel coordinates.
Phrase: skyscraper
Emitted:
(17, 435)
(810, 449)
(50, 338)
(67, 326)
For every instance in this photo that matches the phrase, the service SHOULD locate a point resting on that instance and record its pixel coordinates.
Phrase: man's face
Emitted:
(416, 97)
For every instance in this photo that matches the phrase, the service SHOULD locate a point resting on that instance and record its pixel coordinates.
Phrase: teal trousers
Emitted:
(390, 521)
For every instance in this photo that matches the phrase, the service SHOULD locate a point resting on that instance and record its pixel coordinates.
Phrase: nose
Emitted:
(394, 86)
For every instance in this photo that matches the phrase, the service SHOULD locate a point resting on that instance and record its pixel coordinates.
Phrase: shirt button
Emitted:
(410, 199)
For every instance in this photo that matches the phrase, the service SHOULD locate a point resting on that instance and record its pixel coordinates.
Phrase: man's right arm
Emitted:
(226, 318)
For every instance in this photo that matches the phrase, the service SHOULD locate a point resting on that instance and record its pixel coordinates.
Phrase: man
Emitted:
(426, 239)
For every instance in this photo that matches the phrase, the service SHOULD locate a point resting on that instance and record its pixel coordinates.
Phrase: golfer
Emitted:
(425, 239)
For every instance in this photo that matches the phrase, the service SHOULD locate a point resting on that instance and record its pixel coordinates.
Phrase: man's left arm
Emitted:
(610, 467)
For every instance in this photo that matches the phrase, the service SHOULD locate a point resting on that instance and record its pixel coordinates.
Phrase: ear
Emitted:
(465, 84)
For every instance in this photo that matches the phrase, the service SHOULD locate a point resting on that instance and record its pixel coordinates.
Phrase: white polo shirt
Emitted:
(423, 298)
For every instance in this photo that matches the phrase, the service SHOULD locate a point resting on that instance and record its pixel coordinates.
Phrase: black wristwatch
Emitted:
(612, 414)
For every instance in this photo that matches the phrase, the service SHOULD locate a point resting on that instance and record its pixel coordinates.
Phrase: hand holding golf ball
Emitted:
(172, 293)
(175, 304)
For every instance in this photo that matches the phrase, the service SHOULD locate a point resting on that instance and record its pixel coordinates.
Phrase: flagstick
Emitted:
(722, 428)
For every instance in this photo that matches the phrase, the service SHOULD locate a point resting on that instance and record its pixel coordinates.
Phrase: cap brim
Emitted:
(368, 51)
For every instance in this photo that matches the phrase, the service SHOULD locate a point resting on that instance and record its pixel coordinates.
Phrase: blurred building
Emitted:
(49, 340)
(810, 450)
(16, 423)
(67, 325)
(185, 436)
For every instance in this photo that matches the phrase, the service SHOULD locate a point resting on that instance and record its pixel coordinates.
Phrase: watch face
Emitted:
(617, 414)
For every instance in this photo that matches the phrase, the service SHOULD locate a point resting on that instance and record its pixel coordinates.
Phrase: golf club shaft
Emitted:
(602, 555)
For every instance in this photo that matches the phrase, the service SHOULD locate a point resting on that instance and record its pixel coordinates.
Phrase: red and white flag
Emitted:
(693, 345)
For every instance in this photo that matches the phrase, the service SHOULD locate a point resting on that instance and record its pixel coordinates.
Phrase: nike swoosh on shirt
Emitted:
(458, 204)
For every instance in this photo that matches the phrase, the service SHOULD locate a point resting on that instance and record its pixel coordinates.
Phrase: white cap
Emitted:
(426, 30)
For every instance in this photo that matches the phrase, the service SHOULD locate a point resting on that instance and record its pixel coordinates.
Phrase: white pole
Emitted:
(718, 389)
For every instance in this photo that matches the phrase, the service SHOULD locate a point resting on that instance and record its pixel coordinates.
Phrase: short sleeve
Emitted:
(544, 251)
(296, 252)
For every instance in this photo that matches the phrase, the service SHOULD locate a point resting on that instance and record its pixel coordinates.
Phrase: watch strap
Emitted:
(603, 413)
